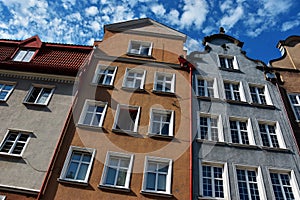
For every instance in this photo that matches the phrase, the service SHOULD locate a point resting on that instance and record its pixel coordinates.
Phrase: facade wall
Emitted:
(224, 152)
(111, 53)
(45, 123)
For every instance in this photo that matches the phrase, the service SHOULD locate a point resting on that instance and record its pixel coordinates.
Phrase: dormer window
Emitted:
(24, 55)
(140, 48)
(228, 62)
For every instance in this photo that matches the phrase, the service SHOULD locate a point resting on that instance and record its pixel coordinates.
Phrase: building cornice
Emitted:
(37, 76)
(20, 190)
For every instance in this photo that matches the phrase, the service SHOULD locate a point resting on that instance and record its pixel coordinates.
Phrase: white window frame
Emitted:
(2, 197)
(104, 73)
(109, 155)
(164, 82)
(232, 91)
(293, 181)
(225, 179)
(121, 106)
(65, 168)
(43, 87)
(214, 87)
(219, 126)
(134, 77)
(24, 55)
(277, 132)
(266, 94)
(142, 44)
(7, 83)
(293, 105)
(167, 161)
(259, 180)
(249, 130)
(84, 111)
(19, 133)
(171, 123)
(226, 57)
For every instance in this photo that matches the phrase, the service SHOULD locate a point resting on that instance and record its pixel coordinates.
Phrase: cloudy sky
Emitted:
(258, 23)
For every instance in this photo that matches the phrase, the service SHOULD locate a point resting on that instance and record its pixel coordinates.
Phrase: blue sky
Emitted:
(260, 24)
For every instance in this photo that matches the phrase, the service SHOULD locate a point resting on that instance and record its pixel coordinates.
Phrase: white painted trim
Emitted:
(19, 189)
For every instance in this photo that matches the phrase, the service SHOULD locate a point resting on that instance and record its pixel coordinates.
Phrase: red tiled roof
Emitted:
(63, 59)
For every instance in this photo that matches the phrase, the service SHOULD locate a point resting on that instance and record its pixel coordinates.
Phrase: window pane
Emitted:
(72, 170)
(82, 171)
(44, 95)
(121, 177)
(161, 185)
(150, 181)
(110, 177)
(34, 94)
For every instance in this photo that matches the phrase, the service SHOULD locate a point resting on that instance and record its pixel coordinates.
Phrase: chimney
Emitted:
(222, 31)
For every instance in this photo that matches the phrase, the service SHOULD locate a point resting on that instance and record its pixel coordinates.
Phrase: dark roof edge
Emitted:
(224, 36)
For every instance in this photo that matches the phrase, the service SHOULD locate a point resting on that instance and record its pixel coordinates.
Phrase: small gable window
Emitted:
(24, 55)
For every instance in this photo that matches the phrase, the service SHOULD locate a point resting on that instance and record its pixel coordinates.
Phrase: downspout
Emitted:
(191, 133)
(63, 132)
(186, 65)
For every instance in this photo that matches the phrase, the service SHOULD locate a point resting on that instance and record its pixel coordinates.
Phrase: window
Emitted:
(249, 183)
(24, 55)
(14, 143)
(117, 170)
(240, 131)
(78, 164)
(127, 118)
(228, 62)
(284, 185)
(208, 127)
(5, 90)
(164, 82)
(270, 135)
(234, 91)
(260, 95)
(134, 78)
(161, 122)
(39, 95)
(93, 113)
(206, 87)
(140, 48)
(295, 102)
(105, 75)
(2, 197)
(157, 175)
(213, 181)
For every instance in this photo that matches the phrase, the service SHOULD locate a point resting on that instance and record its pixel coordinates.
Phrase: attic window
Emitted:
(140, 48)
(24, 55)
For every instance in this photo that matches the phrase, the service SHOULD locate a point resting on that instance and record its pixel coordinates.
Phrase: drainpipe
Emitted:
(189, 67)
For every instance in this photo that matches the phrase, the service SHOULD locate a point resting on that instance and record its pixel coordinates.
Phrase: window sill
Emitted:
(230, 70)
(236, 102)
(139, 55)
(108, 187)
(209, 99)
(11, 155)
(208, 198)
(275, 149)
(167, 195)
(102, 85)
(34, 104)
(153, 135)
(247, 146)
(125, 132)
(210, 142)
(60, 180)
(163, 93)
(83, 126)
(263, 106)
(133, 89)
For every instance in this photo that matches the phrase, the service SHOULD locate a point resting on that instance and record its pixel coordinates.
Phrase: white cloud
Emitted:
(234, 15)
(290, 24)
(91, 11)
(226, 5)
(173, 17)
(95, 26)
(158, 9)
(192, 45)
(194, 14)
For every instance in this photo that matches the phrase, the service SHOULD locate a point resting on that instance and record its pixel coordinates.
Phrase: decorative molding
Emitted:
(37, 76)
(21, 190)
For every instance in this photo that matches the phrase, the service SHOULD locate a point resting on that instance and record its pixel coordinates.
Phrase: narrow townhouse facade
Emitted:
(129, 137)
(36, 86)
(243, 147)
(287, 70)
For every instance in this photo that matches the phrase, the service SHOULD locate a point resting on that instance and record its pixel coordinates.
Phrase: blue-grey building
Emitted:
(243, 146)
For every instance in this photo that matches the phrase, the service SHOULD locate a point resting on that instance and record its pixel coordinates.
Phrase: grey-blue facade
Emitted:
(243, 147)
